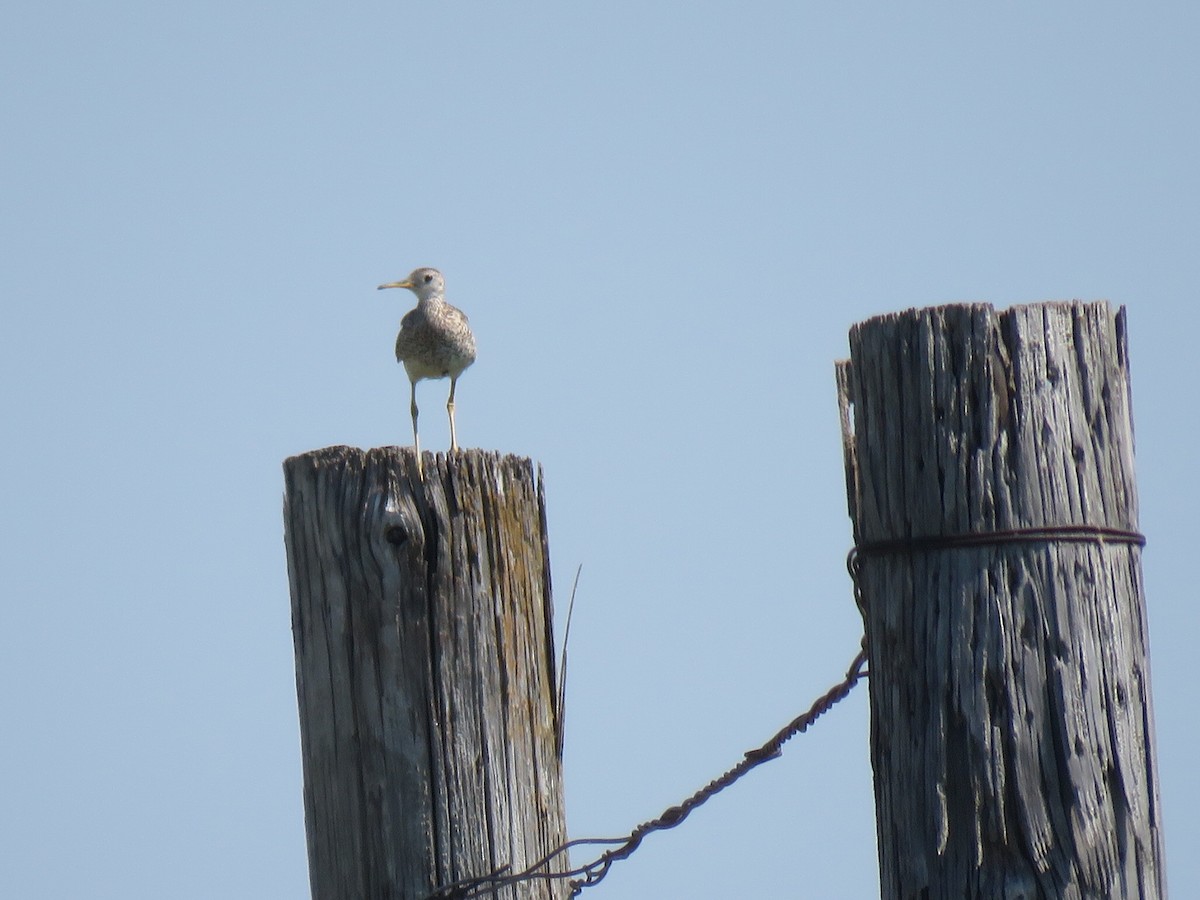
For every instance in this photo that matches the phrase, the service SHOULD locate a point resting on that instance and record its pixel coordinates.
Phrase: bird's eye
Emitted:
(428, 278)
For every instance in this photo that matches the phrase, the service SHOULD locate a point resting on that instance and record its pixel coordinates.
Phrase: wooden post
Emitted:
(424, 670)
(1011, 727)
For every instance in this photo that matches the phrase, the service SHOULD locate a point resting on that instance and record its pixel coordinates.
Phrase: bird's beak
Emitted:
(399, 284)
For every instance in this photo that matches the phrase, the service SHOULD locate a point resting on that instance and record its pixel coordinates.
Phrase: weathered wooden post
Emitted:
(424, 671)
(990, 471)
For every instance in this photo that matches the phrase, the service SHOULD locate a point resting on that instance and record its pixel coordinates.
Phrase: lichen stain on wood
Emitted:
(1010, 699)
(422, 623)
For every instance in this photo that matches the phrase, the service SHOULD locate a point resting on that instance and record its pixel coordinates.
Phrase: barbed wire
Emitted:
(591, 873)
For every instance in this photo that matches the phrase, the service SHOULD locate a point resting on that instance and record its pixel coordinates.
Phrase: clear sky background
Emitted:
(662, 218)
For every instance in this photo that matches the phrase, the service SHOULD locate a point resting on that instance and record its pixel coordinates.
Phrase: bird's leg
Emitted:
(450, 410)
(416, 440)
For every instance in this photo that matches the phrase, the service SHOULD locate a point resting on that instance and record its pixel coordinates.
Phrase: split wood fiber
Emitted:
(1012, 737)
(424, 670)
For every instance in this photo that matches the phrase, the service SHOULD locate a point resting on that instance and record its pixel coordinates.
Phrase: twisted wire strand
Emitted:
(593, 872)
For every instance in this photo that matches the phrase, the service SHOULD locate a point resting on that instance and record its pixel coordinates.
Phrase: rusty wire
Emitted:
(1049, 534)
(591, 873)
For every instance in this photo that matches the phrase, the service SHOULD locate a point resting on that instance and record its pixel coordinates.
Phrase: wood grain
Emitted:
(1011, 724)
(424, 669)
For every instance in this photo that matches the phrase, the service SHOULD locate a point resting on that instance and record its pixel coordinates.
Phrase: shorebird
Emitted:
(435, 341)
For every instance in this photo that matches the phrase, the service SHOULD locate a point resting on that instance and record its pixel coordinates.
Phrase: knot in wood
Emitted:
(398, 527)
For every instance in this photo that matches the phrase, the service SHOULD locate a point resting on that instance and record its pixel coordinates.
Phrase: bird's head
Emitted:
(423, 282)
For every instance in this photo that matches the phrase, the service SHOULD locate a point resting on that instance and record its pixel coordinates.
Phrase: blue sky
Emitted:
(662, 219)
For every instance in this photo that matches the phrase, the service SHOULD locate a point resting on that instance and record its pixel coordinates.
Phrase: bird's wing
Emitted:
(409, 325)
(411, 318)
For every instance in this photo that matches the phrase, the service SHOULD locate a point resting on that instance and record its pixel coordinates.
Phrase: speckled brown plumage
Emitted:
(435, 341)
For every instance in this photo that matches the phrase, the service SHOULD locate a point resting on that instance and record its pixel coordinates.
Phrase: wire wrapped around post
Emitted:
(989, 470)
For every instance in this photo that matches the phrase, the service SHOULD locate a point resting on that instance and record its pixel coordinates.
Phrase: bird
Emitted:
(435, 341)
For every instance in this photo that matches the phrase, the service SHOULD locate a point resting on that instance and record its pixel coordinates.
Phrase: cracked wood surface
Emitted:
(424, 670)
(1011, 724)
